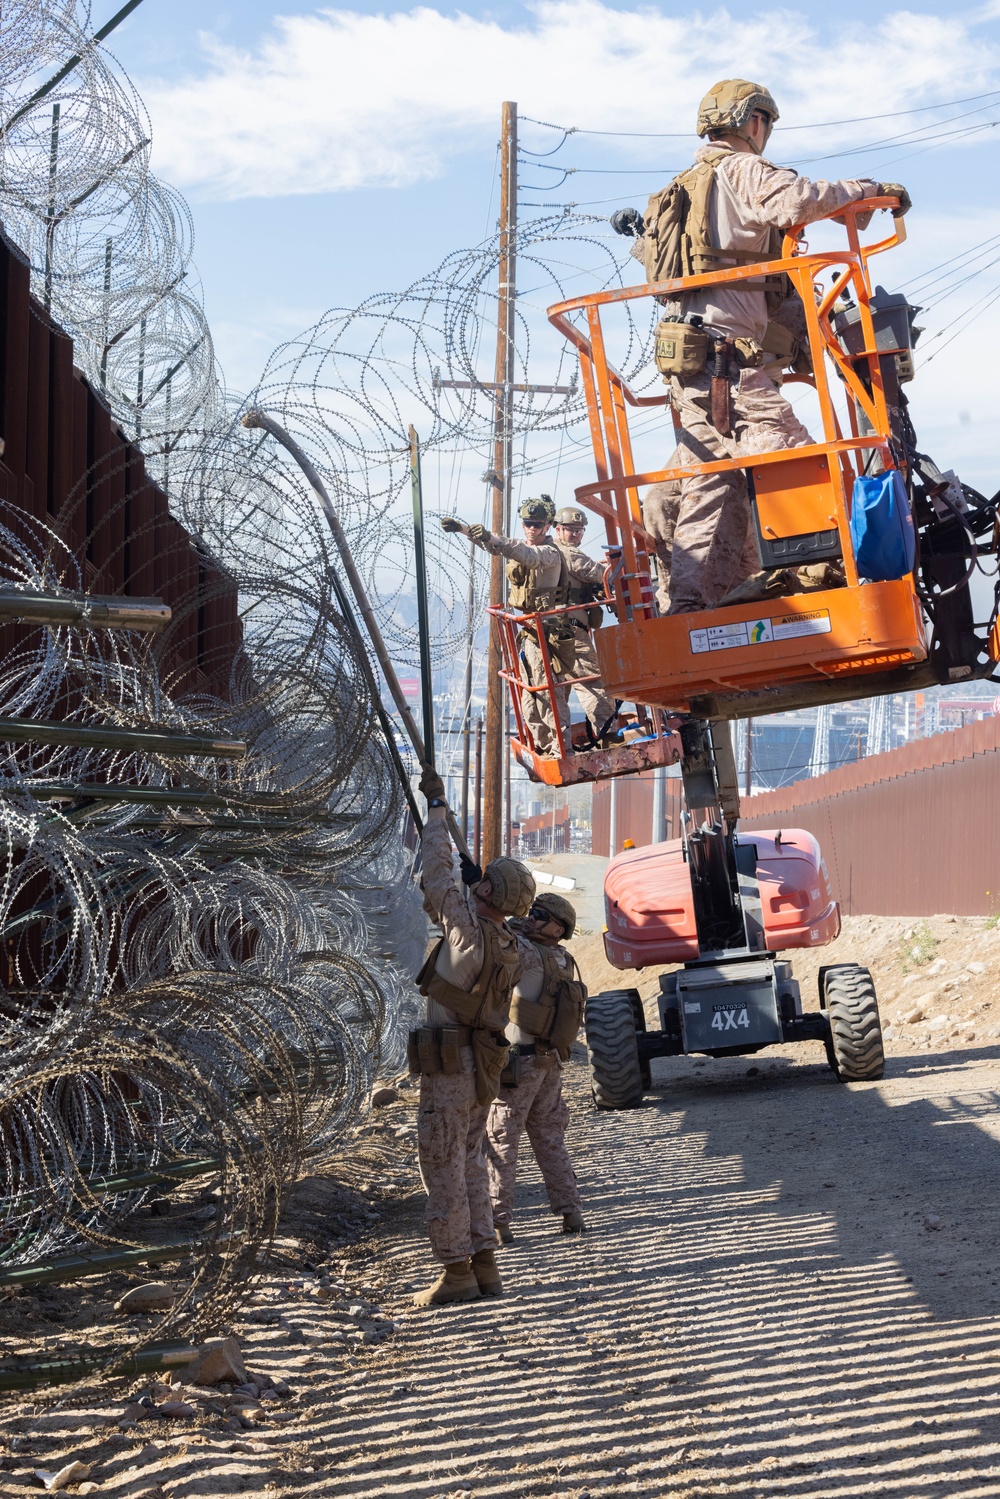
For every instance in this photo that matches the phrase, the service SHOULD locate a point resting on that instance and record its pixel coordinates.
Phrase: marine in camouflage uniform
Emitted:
(706, 526)
(460, 1050)
(586, 583)
(546, 1012)
(544, 575)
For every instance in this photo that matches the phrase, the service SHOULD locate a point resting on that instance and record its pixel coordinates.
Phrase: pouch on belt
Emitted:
(680, 349)
(491, 1057)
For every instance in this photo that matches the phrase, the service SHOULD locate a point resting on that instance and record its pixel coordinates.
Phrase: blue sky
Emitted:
(330, 154)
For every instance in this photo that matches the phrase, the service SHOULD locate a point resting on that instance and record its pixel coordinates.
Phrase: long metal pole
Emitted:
(477, 841)
(260, 419)
(613, 820)
(748, 761)
(467, 710)
(504, 379)
(423, 624)
(658, 830)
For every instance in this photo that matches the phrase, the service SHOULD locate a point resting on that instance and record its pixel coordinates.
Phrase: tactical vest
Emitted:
(581, 592)
(523, 593)
(557, 1014)
(678, 236)
(486, 1006)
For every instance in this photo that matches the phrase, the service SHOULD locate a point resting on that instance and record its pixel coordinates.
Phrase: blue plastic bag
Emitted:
(882, 531)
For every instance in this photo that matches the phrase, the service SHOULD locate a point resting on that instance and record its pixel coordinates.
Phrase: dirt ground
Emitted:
(788, 1287)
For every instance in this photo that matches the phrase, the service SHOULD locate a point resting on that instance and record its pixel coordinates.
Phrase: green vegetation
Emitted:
(919, 947)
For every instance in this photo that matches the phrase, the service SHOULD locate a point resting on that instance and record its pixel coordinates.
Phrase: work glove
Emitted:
(478, 533)
(431, 784)
(449, 523)
(471, 872)
(896, 190)
(628, 221)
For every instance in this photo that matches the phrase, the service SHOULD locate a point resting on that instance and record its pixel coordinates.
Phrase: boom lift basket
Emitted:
(791, 650)
(650, 741)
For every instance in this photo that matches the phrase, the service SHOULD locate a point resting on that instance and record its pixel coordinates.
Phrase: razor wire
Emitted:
(220, 978)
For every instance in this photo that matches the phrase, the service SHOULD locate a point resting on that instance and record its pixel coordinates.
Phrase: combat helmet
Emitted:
(559, 908)
(727, 108)
(512, 884)
(541, 508)
(570, 515)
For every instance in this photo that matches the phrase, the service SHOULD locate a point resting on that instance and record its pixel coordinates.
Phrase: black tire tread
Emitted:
(612, 1049)
(855, 1050)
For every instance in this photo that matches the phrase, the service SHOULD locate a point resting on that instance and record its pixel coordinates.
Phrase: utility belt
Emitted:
(535, 1049)
(561, 639)
(433, 1049)
(686, 348)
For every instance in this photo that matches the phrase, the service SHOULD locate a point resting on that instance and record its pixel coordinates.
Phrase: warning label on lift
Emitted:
(757, 631)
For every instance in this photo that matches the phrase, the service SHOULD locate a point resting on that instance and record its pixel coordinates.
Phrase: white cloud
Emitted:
(338, 99)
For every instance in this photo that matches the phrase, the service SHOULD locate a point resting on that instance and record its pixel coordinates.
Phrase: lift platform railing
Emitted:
(513, 627)
(615, 494)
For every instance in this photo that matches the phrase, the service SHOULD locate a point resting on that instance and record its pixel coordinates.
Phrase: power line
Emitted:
(675, 135)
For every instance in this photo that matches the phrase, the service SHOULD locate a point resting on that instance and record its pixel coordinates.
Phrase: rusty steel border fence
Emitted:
(60, 439)
(912, 832)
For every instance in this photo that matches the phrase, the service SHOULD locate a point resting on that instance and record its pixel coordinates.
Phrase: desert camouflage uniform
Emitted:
(712, 544)
(536, 1105)
(451, 1122)
(537, 706)
(598, 705)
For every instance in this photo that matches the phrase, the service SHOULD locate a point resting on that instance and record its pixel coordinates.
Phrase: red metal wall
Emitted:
(70, 467)
(910, 833)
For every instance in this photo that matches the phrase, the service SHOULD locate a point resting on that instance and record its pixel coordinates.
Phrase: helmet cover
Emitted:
(728, 106)
(559, 909)
(512, 884)
(569, 515)
(540, 509)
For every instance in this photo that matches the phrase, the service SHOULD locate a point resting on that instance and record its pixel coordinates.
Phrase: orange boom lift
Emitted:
(713, 900)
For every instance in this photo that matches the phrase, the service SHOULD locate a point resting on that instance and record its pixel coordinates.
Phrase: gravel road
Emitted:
(787, 1287)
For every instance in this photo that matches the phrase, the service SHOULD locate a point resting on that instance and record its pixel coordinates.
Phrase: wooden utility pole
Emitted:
(500, 478)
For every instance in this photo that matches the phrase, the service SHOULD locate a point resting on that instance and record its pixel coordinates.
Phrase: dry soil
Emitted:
(787, 1287)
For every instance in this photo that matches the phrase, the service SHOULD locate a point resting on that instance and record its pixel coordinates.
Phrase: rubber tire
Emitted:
(640, 1025)
(854, 1047)
(612, 1050)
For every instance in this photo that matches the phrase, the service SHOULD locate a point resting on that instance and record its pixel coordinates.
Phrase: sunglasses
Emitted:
(539, 913)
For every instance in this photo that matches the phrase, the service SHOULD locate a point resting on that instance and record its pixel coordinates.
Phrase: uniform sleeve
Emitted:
(444, 899)
(522, 551)
(779, 197)
(583, 567)
(531, 975)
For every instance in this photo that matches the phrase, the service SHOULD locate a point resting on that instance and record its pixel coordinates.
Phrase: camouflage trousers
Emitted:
(599, 707)
(596, 703)
(536, 1104)
(705, 521)
(451, 1125)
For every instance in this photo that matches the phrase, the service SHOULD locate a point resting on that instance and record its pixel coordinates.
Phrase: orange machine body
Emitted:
(834, 634)
(649, 902)
(799, 495)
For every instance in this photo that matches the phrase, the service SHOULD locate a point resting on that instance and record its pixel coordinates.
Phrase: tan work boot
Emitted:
(573, 1222)
(456, 1284)
(484, 1267)
(504, 1233)
(770, 584)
